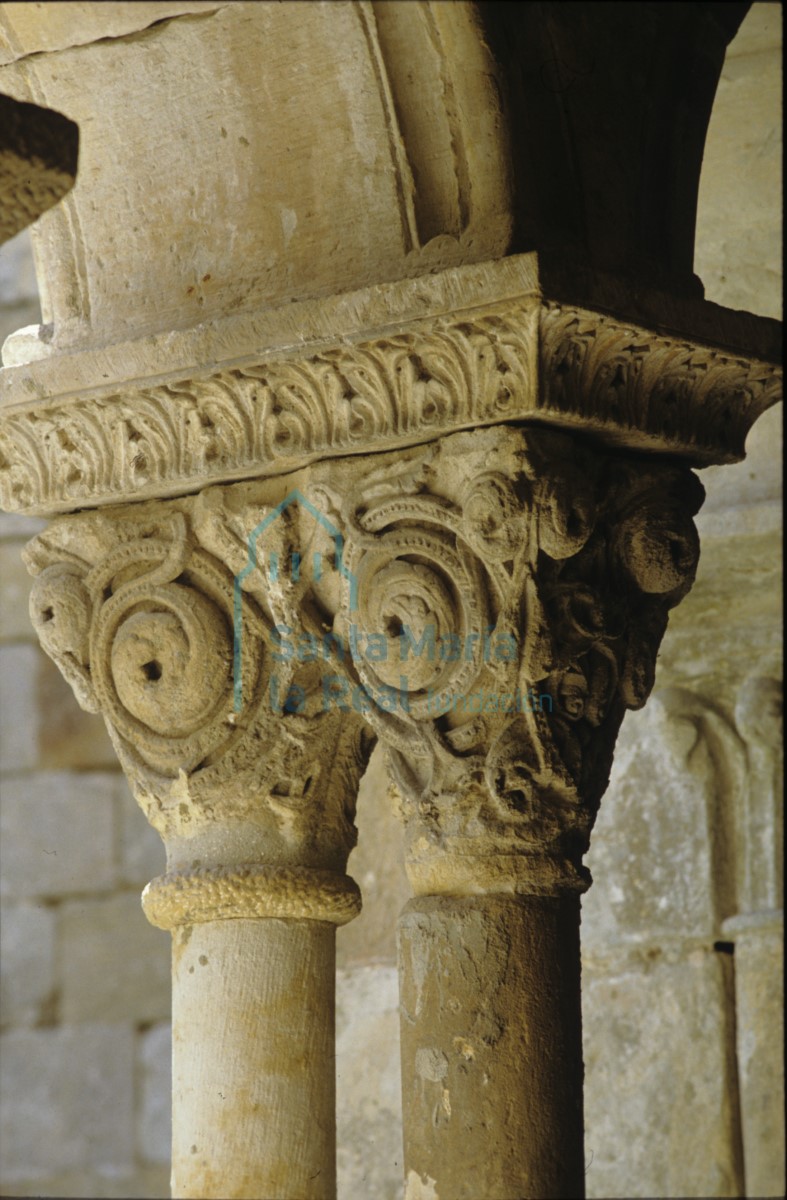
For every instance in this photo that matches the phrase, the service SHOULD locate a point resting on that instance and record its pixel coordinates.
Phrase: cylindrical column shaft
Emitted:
(491, 1048)
(254, 1092)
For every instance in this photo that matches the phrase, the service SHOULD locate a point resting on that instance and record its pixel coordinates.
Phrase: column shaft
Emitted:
(254, 1093)
(491, 1048)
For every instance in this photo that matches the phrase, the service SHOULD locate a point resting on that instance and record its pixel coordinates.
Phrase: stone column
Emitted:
(491, 1041)
(255, 804)
(253, 1058)
(545, 612)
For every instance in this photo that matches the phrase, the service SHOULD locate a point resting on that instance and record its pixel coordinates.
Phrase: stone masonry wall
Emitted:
(689, 834)
(84, 980)
(681, 1035)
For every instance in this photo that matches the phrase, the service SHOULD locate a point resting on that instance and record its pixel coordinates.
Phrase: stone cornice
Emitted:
(387, 367)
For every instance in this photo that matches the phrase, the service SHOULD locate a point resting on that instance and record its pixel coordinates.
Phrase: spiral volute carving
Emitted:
(426, 595)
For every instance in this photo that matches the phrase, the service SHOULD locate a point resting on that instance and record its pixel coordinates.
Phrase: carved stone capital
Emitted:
(487, 604)
(256, 807)
(38, 162)
(527, 579)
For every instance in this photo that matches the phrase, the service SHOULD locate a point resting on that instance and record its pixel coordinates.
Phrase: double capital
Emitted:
(485, 593)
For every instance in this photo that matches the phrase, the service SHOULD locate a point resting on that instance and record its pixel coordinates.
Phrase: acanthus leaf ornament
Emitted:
(276, 399)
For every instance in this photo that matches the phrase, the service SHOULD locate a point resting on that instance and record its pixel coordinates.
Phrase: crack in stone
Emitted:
(129, 37)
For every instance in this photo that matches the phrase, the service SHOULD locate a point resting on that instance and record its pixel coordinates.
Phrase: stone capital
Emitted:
(38, 162)
(487, 604)
(492, 462)
(255, 802)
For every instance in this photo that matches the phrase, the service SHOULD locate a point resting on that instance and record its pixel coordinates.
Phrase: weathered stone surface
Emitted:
(267, 143)
(137, 605)
(253, 1060)
(738, 243)
(379, 368)
(27, 955)
(50, 27)
(491, 1040)
(21, 718)
(14, 591)
(103, 942)
(656, 855)
(759, 1017)
(734, 627)
(58, 832)
(368, 1084)
(377, 865)
(439, 547)
(154, 1115)
(760, 829)
(660, 1093)
(67, 1100)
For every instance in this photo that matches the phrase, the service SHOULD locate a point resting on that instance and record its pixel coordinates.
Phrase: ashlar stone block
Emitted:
(115, 967)
(142, 854)
(654, 852)
(18, 708)
(66, 1100)
(57, 834)
(660, 1092)
(50, 27)
(145, 1183)
(27, 947)
(67, 736)
(14, 591)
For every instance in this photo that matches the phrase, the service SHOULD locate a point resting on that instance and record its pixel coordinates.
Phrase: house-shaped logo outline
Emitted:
(251, 564)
